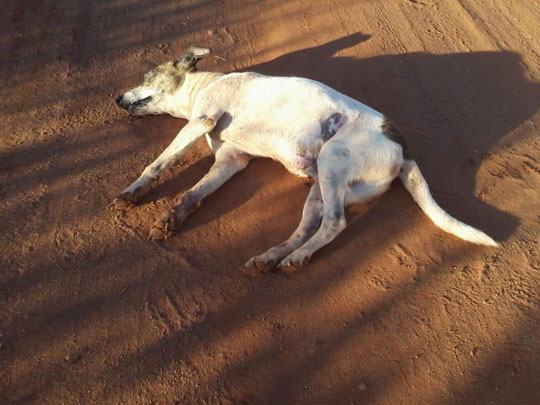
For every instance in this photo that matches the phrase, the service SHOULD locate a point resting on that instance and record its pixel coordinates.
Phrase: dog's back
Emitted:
(283, 118)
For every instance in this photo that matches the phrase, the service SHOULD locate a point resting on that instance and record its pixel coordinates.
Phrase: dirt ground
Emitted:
(393, 311)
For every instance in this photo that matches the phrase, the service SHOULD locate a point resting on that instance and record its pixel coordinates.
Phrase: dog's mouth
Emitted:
(137, 107)
(133, 107)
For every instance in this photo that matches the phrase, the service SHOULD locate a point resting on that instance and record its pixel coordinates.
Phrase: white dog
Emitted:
(351, 151)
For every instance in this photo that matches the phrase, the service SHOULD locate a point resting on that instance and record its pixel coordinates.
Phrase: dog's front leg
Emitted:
(229, 161)
(185, 138)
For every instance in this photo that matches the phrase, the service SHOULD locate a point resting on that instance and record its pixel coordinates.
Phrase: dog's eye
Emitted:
(144, 101)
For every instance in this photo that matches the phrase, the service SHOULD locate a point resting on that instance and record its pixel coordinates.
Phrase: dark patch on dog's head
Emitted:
(165, 78)
(392, 132)
(160, 83)
(331, 125)
(170, 75)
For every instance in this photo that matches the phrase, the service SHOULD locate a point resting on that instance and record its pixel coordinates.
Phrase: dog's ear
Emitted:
(189, 59)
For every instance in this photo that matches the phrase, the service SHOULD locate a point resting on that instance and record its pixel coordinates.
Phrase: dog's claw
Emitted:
(126, 200)
(292, 264)
(160, 223)
(121, 204)
(163, 227)
(249, 271)
(157, 234)
(255, 267)
(289, 268)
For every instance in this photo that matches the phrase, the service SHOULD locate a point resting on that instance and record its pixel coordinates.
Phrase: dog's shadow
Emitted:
(453, 108)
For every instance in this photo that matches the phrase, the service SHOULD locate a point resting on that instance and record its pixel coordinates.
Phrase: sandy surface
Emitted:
(393, 311)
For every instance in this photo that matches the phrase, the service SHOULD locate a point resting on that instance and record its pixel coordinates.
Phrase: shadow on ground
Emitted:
(108, 317)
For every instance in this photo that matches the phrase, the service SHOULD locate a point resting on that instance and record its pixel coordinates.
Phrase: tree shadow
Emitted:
(97, 300)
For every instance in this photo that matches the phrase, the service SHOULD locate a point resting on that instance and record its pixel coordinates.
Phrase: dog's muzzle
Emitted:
(139, 103)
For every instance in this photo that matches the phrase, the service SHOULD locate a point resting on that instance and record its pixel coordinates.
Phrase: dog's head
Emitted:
(162, 82)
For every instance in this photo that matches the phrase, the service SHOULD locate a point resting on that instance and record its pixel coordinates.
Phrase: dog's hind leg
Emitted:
(187, 136)
(333, 222)
(333, 166)
(335, 199)
(229, 161)
(311, 220)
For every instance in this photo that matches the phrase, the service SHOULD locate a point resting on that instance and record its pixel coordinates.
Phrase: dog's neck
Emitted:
(183, 101)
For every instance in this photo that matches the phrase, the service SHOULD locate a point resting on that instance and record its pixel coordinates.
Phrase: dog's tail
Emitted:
(416, 185)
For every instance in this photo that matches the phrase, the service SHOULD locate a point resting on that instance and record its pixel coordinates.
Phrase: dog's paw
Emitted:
(257, 265)
(175, 219)
(163, 227)
(293, 262)
(122, 202)
(126, 199)
(159, 230)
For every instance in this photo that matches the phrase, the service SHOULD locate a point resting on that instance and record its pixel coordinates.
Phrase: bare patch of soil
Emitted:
(393, 311)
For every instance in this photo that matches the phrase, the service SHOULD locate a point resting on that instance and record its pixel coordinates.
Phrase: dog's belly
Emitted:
(297, 154)
(295, 146)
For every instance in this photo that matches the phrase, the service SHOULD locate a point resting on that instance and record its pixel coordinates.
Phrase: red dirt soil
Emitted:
(393, 311)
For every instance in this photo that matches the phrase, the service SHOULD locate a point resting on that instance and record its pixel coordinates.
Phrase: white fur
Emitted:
(245, 115)
(416, 184)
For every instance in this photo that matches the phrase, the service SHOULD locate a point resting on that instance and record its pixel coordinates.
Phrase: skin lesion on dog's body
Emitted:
(352, 152)
(331, 125)
(307, 156)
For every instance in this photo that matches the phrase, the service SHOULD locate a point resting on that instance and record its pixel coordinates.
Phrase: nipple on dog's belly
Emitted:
(303, 162)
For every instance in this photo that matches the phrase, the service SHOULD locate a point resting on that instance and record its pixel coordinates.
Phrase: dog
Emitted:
(351, 152)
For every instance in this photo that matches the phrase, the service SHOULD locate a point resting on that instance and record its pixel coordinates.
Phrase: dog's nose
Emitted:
(119, 99)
